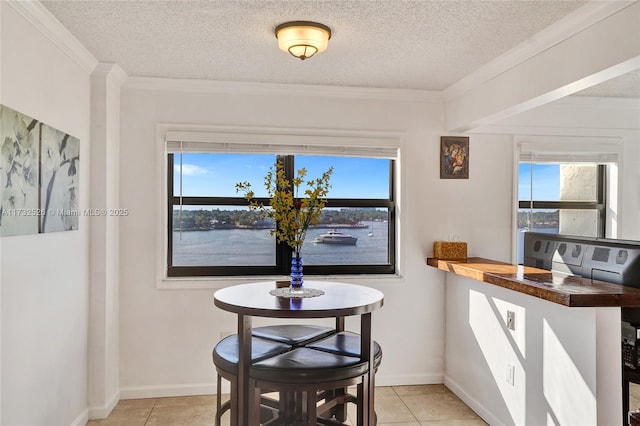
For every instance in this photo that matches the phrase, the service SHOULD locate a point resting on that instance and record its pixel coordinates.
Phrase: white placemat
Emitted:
(303, 292)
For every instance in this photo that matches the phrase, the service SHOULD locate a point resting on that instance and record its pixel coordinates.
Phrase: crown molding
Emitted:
(47, 24)
(577, 21)
(111, 71)
(257, 88)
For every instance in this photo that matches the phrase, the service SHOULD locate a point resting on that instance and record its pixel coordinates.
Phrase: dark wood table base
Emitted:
(339, 300)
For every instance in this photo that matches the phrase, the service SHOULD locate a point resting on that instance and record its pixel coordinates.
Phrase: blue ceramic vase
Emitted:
(297, 277)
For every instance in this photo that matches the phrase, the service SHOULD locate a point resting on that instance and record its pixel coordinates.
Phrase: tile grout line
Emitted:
(412, 414)
(415, 419)
(155, 401)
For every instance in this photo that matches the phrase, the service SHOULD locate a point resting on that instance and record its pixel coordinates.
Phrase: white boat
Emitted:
(336, 237)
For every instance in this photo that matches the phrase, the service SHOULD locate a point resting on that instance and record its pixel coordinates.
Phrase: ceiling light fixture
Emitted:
(303, 39)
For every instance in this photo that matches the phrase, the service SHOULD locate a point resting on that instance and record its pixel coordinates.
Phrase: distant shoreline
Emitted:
(226, 227)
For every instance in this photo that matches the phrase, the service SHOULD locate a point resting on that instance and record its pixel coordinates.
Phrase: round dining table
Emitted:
(338, 300)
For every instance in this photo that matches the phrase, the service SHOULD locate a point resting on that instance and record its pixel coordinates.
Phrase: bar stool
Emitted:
(225, 358)
(293, 334)
(344, 343)
(266, 341)
(298, 375)
(296, 335)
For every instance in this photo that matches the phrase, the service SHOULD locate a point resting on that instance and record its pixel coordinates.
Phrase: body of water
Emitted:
(243, 247)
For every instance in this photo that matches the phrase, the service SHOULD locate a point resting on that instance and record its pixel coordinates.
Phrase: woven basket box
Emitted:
(449, 250)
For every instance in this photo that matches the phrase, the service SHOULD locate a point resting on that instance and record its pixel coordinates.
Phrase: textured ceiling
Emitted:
(625, 86)
(375, 43)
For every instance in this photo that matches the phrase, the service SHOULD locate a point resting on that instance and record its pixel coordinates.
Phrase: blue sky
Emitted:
(217, 174)
(546, 182)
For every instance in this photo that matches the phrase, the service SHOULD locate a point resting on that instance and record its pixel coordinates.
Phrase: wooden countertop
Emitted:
(567, 290)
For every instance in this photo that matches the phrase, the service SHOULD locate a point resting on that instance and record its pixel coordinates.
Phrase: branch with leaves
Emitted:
(293, 214)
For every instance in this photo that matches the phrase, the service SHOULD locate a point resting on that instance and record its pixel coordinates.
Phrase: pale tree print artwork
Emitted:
(19, 165)
(39, 177)
(60, 157)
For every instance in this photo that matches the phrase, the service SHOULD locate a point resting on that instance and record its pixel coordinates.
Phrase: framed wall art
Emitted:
(454, 157)
(39, 177)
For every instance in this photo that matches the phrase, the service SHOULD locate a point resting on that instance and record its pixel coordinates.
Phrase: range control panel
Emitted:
(615, 261)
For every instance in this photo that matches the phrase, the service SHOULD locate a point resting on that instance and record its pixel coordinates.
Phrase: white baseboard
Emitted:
(101, 412)
(473, 403)
(82, 418)
(138, 392)
(407, 379)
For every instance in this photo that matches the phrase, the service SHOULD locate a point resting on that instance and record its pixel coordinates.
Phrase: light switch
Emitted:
(511, 320)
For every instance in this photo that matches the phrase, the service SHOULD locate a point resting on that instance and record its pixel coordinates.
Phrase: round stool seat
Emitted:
(226, 358)
(292, 334)
(307, 366)
(225, 353)
(346, 343)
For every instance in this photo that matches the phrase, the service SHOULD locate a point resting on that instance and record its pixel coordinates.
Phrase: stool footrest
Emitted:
(338, 400)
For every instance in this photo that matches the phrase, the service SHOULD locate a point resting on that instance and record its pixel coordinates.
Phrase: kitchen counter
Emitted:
(567, 290)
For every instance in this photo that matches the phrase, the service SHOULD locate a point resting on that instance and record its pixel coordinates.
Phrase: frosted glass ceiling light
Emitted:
(303, 39)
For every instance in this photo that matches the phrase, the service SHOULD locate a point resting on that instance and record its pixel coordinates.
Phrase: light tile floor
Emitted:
(426, 405)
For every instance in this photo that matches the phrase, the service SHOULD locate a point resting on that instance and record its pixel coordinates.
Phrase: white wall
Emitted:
(1, 316)
(44, 278)
(554, 350)
(634, 208)
(167, 335)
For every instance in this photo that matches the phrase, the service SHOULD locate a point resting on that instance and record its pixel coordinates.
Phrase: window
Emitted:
(566, 185)
(212, 232)
(561, 198)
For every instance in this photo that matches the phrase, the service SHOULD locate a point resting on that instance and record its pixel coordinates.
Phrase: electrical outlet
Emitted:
(511, 320)
(511, 373)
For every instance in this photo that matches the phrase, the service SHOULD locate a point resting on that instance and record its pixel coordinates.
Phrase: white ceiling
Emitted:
(625, 86)
(375, 43)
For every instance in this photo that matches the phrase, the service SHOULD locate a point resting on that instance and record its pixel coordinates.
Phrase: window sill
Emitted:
(199, 283)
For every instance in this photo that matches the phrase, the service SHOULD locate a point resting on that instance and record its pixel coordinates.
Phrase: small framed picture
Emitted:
(454, 157)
